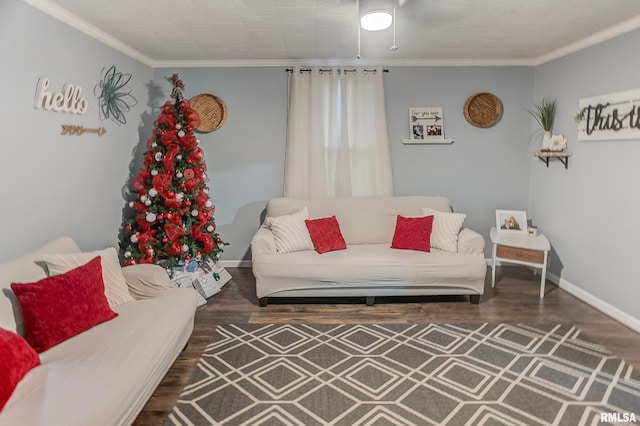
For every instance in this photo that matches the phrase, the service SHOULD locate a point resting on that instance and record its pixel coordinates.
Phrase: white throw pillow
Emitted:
(446, 227)
(115, 286)
(290, 231)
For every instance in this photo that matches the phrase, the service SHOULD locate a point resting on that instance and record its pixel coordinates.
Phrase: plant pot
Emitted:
(546, 140)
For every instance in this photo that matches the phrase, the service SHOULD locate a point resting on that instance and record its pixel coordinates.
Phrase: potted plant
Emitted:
(545, 113)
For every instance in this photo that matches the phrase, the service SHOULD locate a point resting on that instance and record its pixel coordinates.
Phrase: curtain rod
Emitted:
(330, 70)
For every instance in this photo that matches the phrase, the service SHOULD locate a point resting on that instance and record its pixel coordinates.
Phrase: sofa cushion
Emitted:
(290, 232)
(412, 233)
(27, 268)
(115, 286)
(369, 269)
(325, 234)
(446, 227)
(17, 358)
(59, 307)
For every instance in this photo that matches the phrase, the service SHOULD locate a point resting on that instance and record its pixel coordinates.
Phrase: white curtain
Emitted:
(337, 143)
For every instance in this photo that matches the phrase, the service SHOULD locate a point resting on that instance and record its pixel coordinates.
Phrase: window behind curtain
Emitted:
(337, 143)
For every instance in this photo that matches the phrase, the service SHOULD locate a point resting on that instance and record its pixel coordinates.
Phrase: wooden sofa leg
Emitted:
(370, 300)
(263, 302)
(474, 298)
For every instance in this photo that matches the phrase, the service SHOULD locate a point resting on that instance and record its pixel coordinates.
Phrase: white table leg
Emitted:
(544, 275)
(493, 266)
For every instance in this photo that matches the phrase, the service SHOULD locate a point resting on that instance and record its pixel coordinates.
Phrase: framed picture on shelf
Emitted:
(511, 221)
(426, 124)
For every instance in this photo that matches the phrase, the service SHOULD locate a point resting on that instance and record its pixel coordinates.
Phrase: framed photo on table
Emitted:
(511, 221)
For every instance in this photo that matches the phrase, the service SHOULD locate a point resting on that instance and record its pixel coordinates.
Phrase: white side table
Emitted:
(520, 249)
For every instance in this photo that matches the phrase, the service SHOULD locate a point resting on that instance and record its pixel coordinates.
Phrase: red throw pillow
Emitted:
(16, 359)
(59, 307)
(325, 234)
(413, 233)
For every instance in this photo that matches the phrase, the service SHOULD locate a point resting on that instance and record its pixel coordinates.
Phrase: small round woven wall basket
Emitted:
(212, 111)
(483, 109)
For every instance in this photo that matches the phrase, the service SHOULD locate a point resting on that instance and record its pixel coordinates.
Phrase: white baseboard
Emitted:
(604, 307)
(235, 263)
(622, 317)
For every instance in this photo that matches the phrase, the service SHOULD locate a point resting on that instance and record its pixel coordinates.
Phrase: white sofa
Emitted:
(368, 267)
(105, 375)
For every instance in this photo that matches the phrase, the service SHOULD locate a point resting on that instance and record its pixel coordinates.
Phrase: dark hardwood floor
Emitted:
(514, 300)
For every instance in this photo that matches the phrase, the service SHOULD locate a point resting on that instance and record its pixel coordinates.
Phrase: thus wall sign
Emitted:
(615, 116)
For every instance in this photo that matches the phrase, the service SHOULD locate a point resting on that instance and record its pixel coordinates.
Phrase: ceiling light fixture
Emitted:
(376, 15)
(376, 20)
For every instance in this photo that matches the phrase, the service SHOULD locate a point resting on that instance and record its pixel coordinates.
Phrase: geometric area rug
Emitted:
(407, 374)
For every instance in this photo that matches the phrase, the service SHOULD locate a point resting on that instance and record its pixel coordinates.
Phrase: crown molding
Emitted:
(83, 26)
(597, 38)
(354, 62)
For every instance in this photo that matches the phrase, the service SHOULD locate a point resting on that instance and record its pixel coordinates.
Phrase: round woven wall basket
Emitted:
(483, 109)
(212, 111)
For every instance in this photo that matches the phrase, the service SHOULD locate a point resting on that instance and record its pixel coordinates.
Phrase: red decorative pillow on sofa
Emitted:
(16, 359)
(61, 306)
(325, 234)
(413, 233)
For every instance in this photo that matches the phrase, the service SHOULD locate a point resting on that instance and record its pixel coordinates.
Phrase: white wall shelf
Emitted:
(426, 142)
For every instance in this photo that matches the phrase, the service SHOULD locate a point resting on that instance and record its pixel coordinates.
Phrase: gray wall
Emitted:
(590, 210)
(245, 157)
(51, 184)
(485, 168)
(482, 170)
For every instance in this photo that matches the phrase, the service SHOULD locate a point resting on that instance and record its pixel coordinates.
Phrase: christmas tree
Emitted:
(173, 222)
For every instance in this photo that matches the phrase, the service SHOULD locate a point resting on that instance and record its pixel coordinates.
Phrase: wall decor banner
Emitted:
(614, 116)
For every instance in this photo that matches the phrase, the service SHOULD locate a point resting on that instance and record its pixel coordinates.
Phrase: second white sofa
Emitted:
(368, 267)
(106, 374)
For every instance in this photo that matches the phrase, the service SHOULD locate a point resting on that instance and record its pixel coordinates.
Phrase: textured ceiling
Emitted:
(506, 31)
